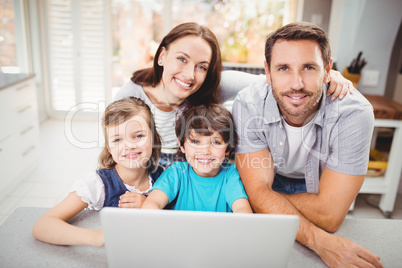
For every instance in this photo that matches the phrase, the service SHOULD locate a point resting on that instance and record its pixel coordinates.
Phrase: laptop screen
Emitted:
(165, 238)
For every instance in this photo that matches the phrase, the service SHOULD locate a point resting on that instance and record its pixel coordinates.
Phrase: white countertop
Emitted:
(19, 249)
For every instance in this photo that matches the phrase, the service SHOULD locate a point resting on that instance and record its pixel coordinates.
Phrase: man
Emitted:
(299, 151)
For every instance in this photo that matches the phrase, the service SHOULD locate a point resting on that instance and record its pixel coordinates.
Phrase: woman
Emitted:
(186, 72)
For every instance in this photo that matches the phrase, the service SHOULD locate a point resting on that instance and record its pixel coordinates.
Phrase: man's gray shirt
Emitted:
(342, 131)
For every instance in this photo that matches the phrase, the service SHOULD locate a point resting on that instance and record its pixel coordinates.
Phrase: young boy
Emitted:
(204, 183)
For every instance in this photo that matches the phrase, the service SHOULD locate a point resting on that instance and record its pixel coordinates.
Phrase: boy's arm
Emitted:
(241, 205)
(53, 227)
(156, 200)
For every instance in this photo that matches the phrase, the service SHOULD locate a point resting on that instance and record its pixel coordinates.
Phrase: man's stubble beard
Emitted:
(288, 109)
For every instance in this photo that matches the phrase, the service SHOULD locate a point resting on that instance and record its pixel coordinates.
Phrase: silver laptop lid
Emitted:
(165, 238)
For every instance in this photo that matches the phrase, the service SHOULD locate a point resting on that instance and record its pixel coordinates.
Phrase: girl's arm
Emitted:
(53, 227)
(156, 200)
(131, 200)
(241, 205)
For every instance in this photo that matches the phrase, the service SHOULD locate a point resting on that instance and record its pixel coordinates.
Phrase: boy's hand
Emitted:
(131, 200)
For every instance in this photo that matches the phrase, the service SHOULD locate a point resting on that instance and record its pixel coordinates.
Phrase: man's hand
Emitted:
(337, 251)
(131, 200)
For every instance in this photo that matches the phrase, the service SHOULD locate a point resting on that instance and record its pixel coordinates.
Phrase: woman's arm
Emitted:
(156, 200)
(234, 81)
(339, 85)
(53, 227)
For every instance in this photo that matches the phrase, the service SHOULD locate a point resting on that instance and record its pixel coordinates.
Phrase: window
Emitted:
(13, 47)
(8, 49)
(240, 26)
(77, 47)
(137, 30)
(94, 46)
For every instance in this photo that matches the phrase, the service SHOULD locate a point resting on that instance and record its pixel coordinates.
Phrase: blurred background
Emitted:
(81, 52)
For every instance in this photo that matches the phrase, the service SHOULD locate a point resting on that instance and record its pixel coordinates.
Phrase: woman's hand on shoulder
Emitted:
(339, 85)
(131, 200)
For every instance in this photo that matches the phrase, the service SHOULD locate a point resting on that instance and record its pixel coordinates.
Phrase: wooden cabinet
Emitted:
(19, 132)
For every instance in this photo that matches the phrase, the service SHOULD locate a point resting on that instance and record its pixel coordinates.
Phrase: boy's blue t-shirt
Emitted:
(198, 193)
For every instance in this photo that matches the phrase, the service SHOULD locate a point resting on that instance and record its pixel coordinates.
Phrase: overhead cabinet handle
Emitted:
(24, 109)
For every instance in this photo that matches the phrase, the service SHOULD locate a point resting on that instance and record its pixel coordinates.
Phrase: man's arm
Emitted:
(257, 174)
(350, 145)
(329, 207)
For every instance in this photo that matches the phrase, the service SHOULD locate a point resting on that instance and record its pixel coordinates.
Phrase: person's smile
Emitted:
(204, 160)
(297, 97)
(132, 155)
(182, 84)
(297, 100)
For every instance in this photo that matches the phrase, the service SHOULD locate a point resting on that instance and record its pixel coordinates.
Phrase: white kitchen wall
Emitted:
(370, 26)
(317, 12)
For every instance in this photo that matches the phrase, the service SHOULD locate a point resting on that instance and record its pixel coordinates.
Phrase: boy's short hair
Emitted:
(205, 120)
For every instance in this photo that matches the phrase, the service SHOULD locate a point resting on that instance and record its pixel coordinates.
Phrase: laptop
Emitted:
(167, 238)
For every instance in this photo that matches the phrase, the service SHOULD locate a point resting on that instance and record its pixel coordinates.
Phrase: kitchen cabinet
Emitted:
(19, 130)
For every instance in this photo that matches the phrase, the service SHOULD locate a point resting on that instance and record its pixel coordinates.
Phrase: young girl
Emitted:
(203, 183)
(128, 169)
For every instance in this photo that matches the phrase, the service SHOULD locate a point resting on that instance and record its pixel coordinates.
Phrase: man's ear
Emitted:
(267, 73)
(328, 72)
